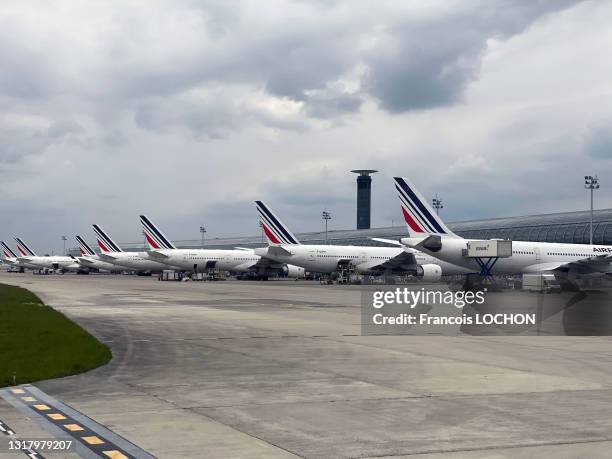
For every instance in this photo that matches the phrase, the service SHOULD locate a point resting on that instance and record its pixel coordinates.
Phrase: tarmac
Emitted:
(278, 369)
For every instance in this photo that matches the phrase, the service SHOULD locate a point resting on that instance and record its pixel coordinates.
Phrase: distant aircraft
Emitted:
(57, 262)
(199, 260)
(89, 258)
(428, 233)
(284, 247)
(115, 255)
(11, 258)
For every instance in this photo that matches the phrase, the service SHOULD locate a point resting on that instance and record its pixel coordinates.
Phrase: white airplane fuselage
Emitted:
(53, 262)
(325, 258)
(527, 257)
(203, 259)
(137, 261)
(13, 261)
(21, 263)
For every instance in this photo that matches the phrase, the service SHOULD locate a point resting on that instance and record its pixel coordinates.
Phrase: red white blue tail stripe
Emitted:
(6, 250)
(275, 231)
(105, 243)
(155, 238)
(85, 249)
(419, 216)
(23, 248)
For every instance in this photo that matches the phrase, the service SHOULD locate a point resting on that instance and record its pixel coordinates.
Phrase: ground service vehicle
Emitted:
(545, 283)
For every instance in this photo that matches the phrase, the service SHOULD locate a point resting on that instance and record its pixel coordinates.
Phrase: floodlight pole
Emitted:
(437, 204)
(325, 215)
(591, 183)
(202, 232)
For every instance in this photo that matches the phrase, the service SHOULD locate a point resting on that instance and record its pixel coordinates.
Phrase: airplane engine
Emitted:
(293, 271)
(430, 272)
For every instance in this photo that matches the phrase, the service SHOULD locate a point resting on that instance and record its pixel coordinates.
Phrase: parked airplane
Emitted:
(429, 234)
(10, 257)
(234, 260)
(57, 262)
(90, 259)
(284, 247)
(114, 254)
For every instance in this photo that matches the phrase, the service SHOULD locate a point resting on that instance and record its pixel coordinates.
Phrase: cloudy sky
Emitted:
(189, 110)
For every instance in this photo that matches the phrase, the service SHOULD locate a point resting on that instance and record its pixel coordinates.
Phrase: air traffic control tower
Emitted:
(364, 197)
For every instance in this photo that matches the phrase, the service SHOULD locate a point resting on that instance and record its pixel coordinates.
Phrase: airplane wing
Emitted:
(539, 267)
(393, 242)
(107, 257)
(603, 259)
(86, 261)
(276, 250)
(157, 255)
(243, 248)
(24, 259)
(264, 262)
(386, 241)
(597, 264)
(403, 260)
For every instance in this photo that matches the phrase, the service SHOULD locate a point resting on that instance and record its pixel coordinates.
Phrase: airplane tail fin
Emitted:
(23, 248)
(85, 249)
(276, 232)
(6, 251)
(105, 243)
(155, 238)
(420, 218)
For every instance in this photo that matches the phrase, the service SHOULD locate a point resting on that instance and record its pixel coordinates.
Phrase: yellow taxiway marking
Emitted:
(56, 416)
(18, 391)
(93, 440)
(42, 407)
(28, 399)
(114, 454)
(73, 427)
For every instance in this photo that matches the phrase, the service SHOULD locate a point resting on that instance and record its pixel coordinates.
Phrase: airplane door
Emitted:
(537, 253)
(311, 255)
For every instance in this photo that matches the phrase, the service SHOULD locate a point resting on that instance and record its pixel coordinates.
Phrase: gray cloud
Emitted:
(429, 63)
(598, 141)
(20, 67)
(215, 114)
(302, 54)
(330, 104)
(20, 141)
(159, 115)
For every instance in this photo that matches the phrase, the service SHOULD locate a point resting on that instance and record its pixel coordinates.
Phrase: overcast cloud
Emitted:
(190, 110)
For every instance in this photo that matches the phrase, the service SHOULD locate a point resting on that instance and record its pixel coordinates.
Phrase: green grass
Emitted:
(37, 342)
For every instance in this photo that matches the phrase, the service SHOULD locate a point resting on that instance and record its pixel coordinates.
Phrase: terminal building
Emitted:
(567, 227)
